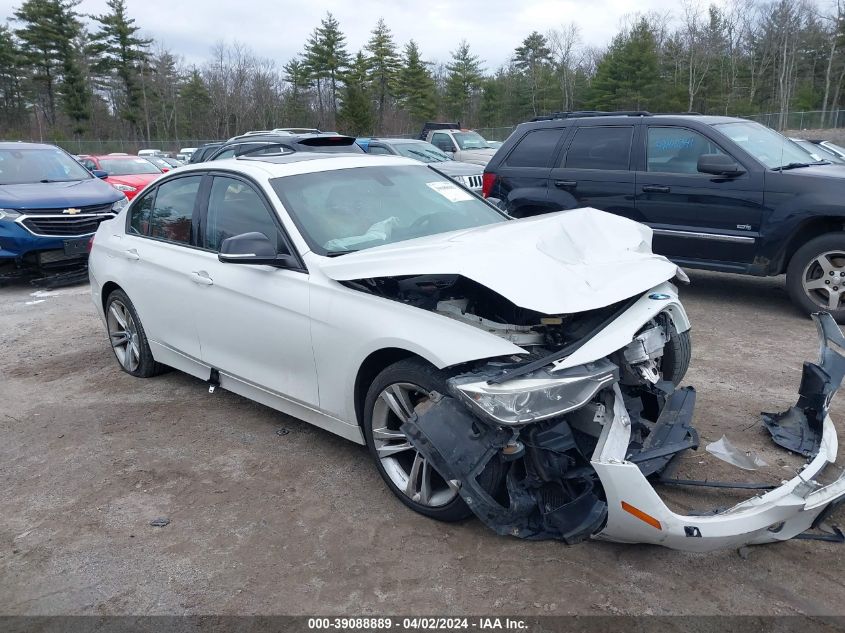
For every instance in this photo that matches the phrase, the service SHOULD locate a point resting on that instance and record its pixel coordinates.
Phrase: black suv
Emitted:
(720, 193)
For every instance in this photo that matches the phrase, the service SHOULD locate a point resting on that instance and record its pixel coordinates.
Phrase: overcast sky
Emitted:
(277, 29)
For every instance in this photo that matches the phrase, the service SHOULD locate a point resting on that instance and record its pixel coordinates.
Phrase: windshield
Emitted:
(346, 210)
(423, 152)
(21, 166)
(470, 140)
(770, 148)
(128, 166)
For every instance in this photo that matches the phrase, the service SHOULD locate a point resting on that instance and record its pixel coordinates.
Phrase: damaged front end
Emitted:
(580, 443)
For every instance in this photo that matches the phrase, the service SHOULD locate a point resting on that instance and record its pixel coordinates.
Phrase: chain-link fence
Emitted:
(802, 120)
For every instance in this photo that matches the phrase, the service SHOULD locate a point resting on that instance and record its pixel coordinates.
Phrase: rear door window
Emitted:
(536, 149)
(173, 209)
(600, 147)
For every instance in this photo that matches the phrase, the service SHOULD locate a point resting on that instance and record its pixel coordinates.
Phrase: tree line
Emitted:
(65, 75)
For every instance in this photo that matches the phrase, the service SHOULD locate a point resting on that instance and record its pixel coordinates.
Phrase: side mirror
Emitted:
(719, 165)
(100, 173)
(252, 248)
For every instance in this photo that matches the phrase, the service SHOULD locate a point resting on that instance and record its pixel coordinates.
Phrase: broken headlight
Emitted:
(538, 396)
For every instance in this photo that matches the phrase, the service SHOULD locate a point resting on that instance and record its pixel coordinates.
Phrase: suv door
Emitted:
(160, 278)
(696, 217)
(522, 178)
(254, 320)
(595, 170)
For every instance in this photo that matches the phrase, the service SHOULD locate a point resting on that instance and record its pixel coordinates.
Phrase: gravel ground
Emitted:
(271, 516)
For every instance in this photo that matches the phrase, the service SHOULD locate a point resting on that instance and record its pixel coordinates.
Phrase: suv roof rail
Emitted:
(577, 114)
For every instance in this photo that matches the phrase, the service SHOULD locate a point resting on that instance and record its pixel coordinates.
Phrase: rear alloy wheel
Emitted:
(815, 278)
(391, 400)
(127, 337)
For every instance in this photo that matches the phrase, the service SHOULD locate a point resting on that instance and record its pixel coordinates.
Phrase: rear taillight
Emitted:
(487, 182)
(91, 243)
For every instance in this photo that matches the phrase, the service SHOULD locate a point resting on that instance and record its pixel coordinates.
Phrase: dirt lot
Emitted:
(264, 521)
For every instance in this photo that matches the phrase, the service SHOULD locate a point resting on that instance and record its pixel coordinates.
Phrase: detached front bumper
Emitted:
(636, 514)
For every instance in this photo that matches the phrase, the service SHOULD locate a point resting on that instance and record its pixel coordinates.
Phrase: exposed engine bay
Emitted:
(571, 436)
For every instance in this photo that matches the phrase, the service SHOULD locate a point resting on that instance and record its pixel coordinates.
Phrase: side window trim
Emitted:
(268, 206)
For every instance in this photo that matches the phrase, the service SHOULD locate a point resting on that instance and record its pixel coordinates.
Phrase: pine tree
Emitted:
(297, 77)
(384, 66)
(356, 112)
(44, 34)
(627, 76)
(533, 59)
(194, 103)
(326, 59)
(12, 110)
(415, 86)
(118, 50)
(462, 82)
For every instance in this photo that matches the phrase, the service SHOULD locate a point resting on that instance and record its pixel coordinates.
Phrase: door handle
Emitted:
(201, 277)
(566, 184)
(655, 189)
(132, 254)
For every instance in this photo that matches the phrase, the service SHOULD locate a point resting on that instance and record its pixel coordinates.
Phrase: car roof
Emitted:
(379, 139)
(24, 145)
(267, 166)
(613, 118)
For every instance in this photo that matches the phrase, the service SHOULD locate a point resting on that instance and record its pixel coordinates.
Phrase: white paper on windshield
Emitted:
(450, 191)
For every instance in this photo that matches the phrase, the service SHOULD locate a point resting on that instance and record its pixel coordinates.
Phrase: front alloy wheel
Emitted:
(409, 471)
(815, 277)
(823, 280)
(391, 399)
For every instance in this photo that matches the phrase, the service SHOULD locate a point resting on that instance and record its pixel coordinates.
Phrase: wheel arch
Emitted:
(806, 231)
(371, 367)
(108, 288)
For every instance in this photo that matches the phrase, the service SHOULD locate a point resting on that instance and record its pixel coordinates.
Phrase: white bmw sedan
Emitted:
(525, 371)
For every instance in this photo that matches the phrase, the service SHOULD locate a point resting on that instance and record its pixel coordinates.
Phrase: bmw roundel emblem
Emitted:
(659, 296)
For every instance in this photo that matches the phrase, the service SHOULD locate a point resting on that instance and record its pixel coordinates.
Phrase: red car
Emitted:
(126, 173)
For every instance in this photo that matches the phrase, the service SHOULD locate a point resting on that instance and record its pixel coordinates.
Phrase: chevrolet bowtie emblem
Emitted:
(72, 211)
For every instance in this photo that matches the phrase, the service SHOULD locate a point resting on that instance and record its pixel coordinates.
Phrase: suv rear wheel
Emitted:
(815, 277)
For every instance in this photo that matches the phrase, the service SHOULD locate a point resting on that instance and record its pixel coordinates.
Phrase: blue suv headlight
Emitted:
(118, 206)
(8, 214)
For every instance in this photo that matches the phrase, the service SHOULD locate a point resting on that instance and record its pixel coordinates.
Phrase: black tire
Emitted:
(800, 265)
(146, 366)
(417, 372)
(676, 355)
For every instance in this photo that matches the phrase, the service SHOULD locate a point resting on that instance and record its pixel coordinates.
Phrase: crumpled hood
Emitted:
(560, 263)
(475, 156)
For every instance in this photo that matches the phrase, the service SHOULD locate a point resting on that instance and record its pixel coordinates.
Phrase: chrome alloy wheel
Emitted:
(823, 280)
(123, 334)
(409, 471)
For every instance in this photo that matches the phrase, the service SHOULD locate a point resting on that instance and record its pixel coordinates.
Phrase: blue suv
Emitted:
(50, 205)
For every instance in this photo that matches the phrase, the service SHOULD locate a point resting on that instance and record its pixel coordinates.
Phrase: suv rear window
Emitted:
(535, 149)
(600, 148)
